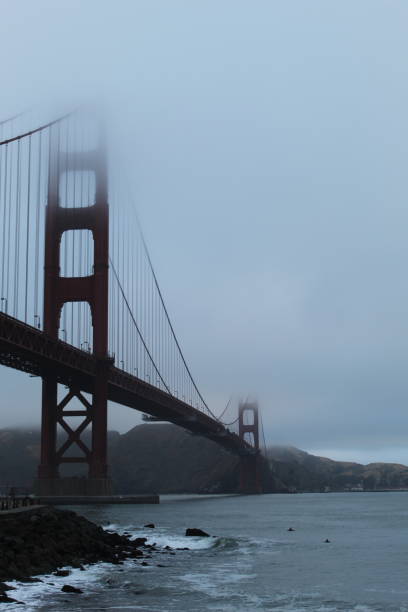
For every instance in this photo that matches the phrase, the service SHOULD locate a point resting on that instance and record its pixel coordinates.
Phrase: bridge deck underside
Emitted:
(29, 350)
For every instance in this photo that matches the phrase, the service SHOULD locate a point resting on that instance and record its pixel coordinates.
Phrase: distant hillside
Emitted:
(19, 456)
(164, 458)
(167, 459)
(304, 472)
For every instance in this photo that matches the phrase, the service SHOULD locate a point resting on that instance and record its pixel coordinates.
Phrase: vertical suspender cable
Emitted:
(27, 229)
(37, 229)
(3, 255)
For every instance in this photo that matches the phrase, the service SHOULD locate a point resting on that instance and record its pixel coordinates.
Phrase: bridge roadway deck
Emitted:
(30, 350)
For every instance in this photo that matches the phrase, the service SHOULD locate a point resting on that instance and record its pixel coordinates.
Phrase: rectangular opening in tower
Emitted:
(76, 325)
(77, 189)
(77, 253)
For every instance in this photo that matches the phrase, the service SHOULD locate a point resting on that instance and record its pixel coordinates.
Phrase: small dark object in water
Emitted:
(197, 532)
(144, 563)
(159, 565)
(291, 529)
(67, 588)
(327, 541)
(150, 525)
(63, 573)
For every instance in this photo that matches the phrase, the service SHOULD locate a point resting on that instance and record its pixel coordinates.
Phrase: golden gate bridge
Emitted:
(81, 306)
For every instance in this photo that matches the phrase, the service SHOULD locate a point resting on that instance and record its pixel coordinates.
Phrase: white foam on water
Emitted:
(163, 538)
(113, 527)
(35, 594)
(175, 541)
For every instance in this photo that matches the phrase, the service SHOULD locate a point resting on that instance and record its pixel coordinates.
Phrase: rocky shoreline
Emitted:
(42, 540)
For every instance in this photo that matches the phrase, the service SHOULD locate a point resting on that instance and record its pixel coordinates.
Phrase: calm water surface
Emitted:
(253, 563)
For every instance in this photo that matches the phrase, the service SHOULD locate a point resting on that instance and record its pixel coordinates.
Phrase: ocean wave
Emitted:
(163, 539)
(34, 594)
(227, 544)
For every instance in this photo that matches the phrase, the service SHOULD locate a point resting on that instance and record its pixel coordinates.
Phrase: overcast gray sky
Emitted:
(268, 143)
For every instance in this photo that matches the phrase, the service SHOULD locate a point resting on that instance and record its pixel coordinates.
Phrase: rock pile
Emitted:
(40, 540)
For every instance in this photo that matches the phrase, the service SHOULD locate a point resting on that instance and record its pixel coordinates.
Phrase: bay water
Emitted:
(252, 561)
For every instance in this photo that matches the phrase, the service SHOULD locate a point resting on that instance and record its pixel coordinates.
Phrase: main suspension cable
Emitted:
(136, 325)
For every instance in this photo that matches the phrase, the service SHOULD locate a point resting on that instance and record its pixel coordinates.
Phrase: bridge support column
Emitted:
(250, 476)
(59, 290)
(48, 468)
(99, 462)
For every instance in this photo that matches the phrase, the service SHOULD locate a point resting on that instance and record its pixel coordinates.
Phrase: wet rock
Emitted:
(62, 573)
(57, 538)
(5, 599)
(67, 588)
(193, 531)
(150, 525)
(139, 541)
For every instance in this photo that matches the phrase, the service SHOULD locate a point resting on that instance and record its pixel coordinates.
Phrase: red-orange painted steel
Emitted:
(250, 464)
(92, 289)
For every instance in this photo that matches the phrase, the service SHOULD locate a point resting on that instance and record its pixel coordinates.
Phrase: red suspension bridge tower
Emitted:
(59, 290)
(250, 464)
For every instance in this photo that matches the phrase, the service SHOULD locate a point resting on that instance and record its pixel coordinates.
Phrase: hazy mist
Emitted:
(268, 146)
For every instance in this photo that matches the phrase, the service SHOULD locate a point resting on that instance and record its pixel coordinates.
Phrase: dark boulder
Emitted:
(139, 541)
(192, 531)
(67, 588)
(57, 538)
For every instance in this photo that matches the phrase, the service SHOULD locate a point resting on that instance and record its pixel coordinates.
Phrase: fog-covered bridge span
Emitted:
(81, 306)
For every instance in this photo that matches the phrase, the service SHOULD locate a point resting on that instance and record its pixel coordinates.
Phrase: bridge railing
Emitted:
(12, 497)
(12, 503)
